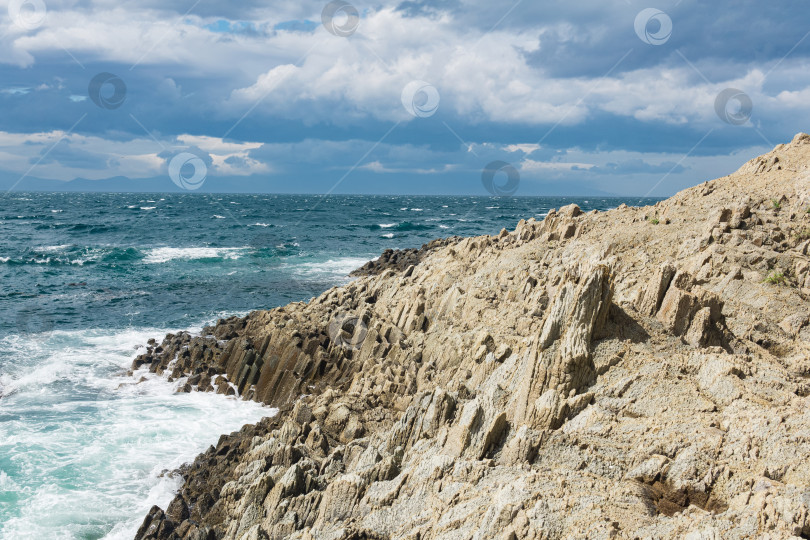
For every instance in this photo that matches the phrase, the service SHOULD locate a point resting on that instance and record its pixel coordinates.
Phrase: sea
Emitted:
(88, 278)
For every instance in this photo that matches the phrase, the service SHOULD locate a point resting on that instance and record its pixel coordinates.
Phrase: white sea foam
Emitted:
(7, 484)
(55, 253)
(218, 217)
(148, 207)
(50, 249)
(389, 235)
(387, 225)
(261, 225)
(332, 267)
(85, 446)
(166, 254)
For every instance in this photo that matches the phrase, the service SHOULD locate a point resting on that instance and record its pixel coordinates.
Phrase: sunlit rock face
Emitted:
(641, 372)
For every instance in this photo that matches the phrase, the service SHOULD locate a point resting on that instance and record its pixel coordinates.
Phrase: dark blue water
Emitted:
(88, 277)
(77, 261)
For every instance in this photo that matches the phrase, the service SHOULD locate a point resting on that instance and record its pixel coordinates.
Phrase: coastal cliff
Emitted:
(641, 372)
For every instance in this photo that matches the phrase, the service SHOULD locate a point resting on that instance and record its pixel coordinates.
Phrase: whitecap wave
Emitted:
(109, 437)
(339, 267)
(166, 254)
(50, 249)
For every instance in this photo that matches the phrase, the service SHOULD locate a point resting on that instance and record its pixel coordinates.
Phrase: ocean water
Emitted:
(87, 278)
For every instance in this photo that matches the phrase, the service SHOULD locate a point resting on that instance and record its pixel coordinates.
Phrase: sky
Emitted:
(475, 97)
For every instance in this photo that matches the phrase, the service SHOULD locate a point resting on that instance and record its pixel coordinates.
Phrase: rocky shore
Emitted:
(637, 373)
(401, 259)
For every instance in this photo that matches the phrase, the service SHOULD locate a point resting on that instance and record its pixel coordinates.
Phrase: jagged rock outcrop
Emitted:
(401, 259)
(637, 373)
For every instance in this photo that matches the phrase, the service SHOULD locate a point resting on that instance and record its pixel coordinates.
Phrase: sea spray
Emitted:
(85, 449)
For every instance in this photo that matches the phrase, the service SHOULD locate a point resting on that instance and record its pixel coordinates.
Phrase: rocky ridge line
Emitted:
(642, 372)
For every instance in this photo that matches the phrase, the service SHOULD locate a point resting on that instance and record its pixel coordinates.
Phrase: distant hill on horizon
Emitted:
(161, 184)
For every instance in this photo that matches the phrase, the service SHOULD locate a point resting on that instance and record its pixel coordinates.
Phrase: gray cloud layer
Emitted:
(269, 91)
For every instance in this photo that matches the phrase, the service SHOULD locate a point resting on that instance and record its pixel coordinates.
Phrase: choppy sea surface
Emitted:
(88, 277)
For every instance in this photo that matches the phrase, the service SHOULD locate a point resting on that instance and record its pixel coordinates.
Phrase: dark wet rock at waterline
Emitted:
(400, 260)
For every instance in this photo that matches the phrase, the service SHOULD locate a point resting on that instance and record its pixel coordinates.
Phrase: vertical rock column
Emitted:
(563, 365)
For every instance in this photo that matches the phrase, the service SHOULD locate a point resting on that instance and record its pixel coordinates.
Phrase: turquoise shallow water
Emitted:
(88, 277)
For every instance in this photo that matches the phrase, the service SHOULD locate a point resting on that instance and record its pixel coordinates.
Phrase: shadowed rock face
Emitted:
(641, 372)
(401, 259)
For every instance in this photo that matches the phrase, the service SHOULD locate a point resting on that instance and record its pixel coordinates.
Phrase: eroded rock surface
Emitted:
(638, 373)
